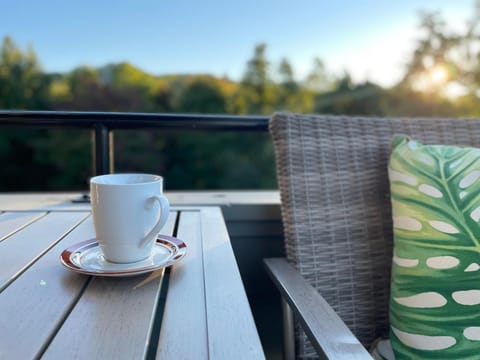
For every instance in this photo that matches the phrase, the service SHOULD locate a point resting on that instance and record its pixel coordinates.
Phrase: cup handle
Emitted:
(164, 211)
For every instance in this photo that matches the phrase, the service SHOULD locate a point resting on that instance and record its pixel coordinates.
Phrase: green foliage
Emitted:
(22, 83)
(347, 98)
(291, 95)
(22, 86)
(199, 160)
(257, 88)
(202, 96)
(84, 89)
(319, 80)
(67, 154)
(125, 75)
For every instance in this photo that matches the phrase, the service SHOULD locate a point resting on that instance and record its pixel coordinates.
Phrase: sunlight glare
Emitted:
(435, 79)
(438, 75)
(455, 90)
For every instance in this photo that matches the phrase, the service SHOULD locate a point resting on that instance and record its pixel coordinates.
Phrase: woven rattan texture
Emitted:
(332, 176)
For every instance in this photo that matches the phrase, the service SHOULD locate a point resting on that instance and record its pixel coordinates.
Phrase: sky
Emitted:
(370, 39)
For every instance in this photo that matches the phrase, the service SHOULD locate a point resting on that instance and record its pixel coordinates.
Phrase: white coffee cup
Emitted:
(129, 211)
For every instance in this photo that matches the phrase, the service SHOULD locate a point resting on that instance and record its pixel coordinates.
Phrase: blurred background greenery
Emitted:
(442, 78)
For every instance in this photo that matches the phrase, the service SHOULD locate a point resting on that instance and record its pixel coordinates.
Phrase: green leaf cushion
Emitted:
(435, 292)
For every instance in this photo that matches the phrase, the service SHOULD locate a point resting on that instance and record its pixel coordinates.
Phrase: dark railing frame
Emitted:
(103, 123)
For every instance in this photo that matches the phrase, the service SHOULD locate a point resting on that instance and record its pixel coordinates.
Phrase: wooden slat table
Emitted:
(196, 310)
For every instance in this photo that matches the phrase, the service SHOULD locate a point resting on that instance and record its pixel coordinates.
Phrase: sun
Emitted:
(438, 75)
(438, 79)
(433, 79)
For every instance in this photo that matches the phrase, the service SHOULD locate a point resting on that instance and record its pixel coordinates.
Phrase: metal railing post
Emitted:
(111, 152)
(102, 150)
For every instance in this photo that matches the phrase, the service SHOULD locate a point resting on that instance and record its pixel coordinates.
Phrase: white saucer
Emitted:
(87, 258)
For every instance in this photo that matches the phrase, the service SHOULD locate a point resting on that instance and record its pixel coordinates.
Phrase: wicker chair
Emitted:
(332, 175)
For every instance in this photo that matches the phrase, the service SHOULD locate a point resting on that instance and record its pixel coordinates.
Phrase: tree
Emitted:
(163, 99)
(287, 79)
(288, 87)
(431, 54)
(257, 90)
(318, 80)
(202, 96)
(88, 92)
(22, 86)
(444, 60)
(352, 99)
(291, 96)
(442, 77)
(22, 83)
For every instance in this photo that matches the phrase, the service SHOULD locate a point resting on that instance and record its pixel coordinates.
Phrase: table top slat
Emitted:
(112, 319)
(13, 221)
(35, 304)
(23, 247)
(232, 332)
(183, 332)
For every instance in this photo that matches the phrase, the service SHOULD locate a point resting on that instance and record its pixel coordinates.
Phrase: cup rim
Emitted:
(152, 179)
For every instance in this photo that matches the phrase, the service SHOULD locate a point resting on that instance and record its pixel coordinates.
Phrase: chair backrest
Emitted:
(332, 176)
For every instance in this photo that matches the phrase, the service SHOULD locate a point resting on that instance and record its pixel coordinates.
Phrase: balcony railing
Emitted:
(103, 124)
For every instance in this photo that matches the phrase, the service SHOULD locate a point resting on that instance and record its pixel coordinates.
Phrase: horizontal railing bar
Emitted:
(118, 120)
(103, 123)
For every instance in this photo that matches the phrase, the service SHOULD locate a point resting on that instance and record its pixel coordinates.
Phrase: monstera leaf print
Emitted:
(435, 293)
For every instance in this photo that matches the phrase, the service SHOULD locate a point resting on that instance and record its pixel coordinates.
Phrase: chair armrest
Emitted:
(329, 335)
